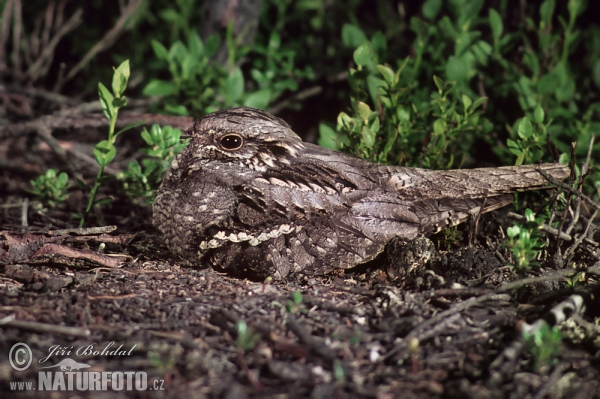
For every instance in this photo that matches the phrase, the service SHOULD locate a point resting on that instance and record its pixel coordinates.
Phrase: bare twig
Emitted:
(546, 228)
(44, 328)
(581, 238)
(84, 231)
(300, 96)
(584, 170)
(568, 188)
(42, 63)
(24, 212)
(17, 30)
(4, 32)
(108, 40)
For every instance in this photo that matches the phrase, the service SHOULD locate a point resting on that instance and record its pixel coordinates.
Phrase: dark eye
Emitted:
(231, 142)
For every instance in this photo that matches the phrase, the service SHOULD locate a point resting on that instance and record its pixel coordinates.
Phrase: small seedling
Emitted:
(295, 303)
(105, 151)
(51, 188)
(525, 243)
(246, 338)
(544, 344)
(142, 180)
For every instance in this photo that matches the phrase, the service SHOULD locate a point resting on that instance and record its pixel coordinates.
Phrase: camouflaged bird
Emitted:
(251, 198)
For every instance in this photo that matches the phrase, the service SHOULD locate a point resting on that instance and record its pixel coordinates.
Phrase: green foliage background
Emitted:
(436, 84)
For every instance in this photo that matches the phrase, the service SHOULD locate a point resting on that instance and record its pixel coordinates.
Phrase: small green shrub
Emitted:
(199, 86)
(105, 150)
(525, 242)
(141, 180)
(51, 188)
(246, 338)
(544, 345)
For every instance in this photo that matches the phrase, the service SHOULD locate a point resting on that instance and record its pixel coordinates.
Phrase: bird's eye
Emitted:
(232, 142)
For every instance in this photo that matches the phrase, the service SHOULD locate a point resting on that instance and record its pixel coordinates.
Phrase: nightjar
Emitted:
(251, 198)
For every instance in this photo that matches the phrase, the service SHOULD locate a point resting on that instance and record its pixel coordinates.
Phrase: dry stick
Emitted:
(44, 328)
(570, 198)
(552, 380)
(546, 228)
(42, 63)
(424, 330)
(584, 170)
(440, 321)
(49, 14)
(306, 338)
(24, 208)
(84, 231)
(568, 188)
(107, 41)
(581, 238)
(41, 93)
(6, 17)
(300, 96)
(17, 30)
(473, 231)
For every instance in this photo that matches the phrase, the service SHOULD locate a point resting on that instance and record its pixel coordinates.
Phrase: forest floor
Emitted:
(429, 319)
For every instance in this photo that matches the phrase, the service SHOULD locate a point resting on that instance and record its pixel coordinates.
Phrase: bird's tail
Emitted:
(469, 192)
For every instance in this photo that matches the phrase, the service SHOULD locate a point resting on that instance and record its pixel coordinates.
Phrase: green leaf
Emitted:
(362, 55)
(178, 109)
(195, 46)
(146, 136)
(130, 126)
(431, 8)
(363, 111)
(387, 73)
(375, 124)
(546, 12)
(120, 78)
(106, 100)
(177, 52)
(259, 99)
(565, 91)
(234, 86)
(478, 102)
(456, 69)
(353, 36)
(104, 201)
(548, 83)
(513, 231)
(520, 159)
(160, 88)
(379, 44)
(439, 126)
(466, 102)
(538, 114)
(441, 85)
(525, 129)
(328, 137)
(160, 50)
(104, 152)
(403, 114)
(189, 67)
(368, 137)
(274, 41)
(119, 102)
(212, 45)
(496, 23)
(63, 178)
(514, 147)
(529, 215)
(563, 158)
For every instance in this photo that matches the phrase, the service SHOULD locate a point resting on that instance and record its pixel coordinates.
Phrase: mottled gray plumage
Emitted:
(250, 197)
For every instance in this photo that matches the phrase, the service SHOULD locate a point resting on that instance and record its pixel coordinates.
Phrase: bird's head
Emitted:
(243, 139)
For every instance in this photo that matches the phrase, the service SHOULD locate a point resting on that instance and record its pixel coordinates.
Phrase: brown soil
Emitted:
(430, 319)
